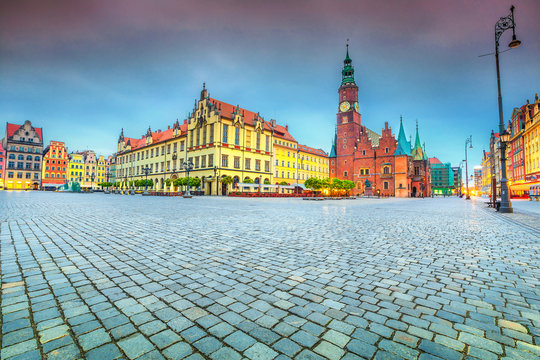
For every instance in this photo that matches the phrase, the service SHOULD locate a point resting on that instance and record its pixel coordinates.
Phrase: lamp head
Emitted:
(514, 43)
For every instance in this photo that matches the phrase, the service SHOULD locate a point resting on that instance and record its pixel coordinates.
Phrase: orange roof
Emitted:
(311, 150)
(11, 128)
(282, 132)
(227, 111)
(434, 160)
(157, 137)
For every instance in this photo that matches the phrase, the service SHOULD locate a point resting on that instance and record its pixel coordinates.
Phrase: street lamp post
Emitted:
(146, 170)
(217, 182)
(174, 157)
(501, 26)
(107, 177)
(188, 166)
(92, 177)
(468, 141)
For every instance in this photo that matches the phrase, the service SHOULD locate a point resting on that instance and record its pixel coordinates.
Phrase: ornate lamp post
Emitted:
(146, 170)
(188, 166)
(468, 141)
(174, 157)
(501, 26)
(215, 177)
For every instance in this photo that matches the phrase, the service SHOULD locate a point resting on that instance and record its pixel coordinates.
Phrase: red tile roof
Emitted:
(434, 160)
(311, 150)
(282, 132)
(157, 137)
(12, 128)
(227, 111)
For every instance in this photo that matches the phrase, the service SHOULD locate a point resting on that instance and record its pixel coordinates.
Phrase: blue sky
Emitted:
(84, 70)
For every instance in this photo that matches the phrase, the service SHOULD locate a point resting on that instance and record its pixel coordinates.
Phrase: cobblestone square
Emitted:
(100, 276)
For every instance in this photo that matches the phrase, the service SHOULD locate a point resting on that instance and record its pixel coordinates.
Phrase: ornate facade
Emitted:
(23, 146)
(377, 164)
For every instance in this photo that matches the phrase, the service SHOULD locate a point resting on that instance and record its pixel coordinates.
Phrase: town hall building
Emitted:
(377, 164)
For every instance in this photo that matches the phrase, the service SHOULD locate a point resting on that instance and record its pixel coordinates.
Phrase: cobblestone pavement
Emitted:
(107, 276)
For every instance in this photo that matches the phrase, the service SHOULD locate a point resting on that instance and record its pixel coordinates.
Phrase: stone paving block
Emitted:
(18, 348)
(480, 342)
(398, 349)
(122, 331)
(17, 336)
(207, 345)
(308, 355)
(439, 350)
(225, 353)
(240, 340)
(58, 343)
(64, 353)
(287, 347)
(93, 339)
(260, 352)
(53, 333)
(135, 346)
(361, 348)
(329, 350)
(105, 352)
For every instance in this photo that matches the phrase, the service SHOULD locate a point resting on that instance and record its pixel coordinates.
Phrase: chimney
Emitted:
(287, 127)
(168, 127)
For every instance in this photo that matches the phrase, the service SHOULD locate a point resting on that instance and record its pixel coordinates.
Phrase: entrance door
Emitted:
(414, 191)
(223, 189)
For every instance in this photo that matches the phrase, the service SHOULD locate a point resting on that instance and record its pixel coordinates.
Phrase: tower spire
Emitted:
(347, 74)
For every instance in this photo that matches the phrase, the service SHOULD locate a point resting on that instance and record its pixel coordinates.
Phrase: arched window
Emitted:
(386, 170)
(20, 157)
(29, 158)
(385, 185)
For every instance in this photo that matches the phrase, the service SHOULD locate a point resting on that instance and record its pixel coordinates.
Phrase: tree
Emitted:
(266, 182)
(248, 181)
(283, 183)
(348, 185)
(227, 180)
(313, 183)
(180, 182)
(168, 182)
(194, 182)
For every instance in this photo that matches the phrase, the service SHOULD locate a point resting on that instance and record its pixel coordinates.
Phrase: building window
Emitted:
(210, 160)
(363, 152)
(367, 172)
(258, 141)
(211, 133)
(19, 175)
(345, 173)
(237, 136)
(385, 185)
(257, 165)
(225, 159)
(181, 145)
(361, 171)
(225, 129)
(267, 143)
(10, 175)
(386, 170)
(20, 157)
(386, 150)
(204, 136)
(196, 162)
(248, 164)
(267, 166)
(237, 162)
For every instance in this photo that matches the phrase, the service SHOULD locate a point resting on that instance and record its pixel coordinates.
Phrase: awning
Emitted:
(520, 187)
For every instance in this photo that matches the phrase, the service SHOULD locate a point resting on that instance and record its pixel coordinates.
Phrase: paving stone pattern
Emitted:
(100, 276)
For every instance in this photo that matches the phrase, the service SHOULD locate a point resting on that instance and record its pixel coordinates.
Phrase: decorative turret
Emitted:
(149, 132)
(121, 137)
(204, 93)
(417, 151)
(403, 146)
(333, 150)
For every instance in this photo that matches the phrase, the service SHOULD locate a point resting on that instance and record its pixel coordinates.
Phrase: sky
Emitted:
(83, 70)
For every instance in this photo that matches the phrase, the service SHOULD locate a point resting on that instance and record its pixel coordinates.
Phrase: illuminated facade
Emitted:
(23, 148)
(55, 166)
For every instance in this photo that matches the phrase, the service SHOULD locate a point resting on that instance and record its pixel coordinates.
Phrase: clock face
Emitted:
(356, 106)
(344, 106)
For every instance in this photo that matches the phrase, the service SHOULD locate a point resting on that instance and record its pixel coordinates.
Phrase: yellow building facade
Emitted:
(531, 143)
(75, 169)
(285, 157)
(219, 139)
(312, 163)
(100, 169)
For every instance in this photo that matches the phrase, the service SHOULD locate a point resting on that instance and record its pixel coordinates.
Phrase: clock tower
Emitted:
(348, 94)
